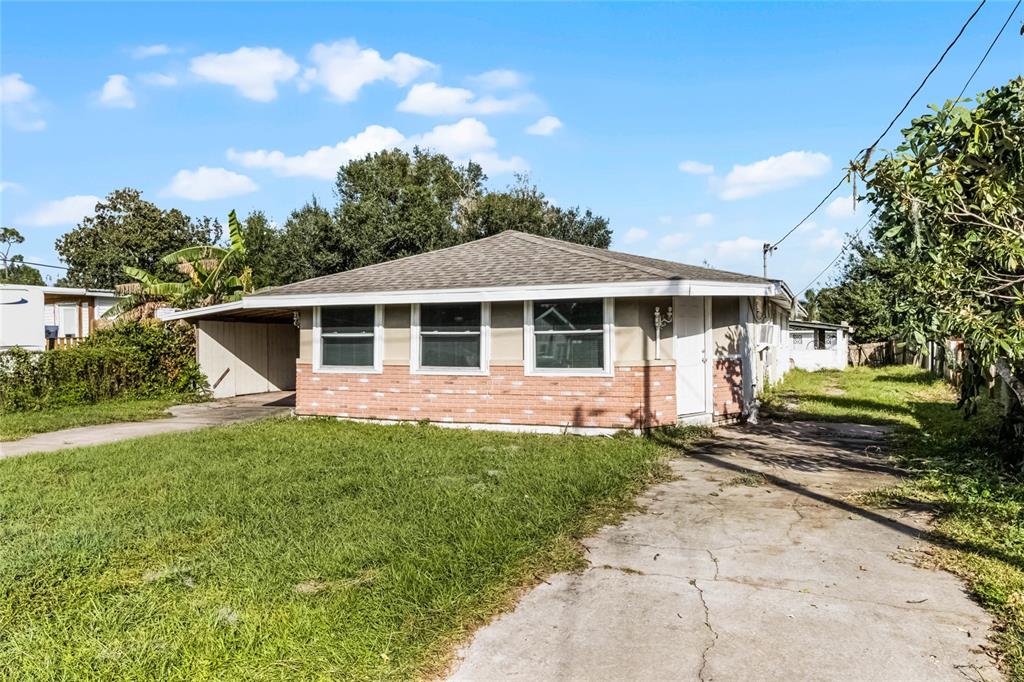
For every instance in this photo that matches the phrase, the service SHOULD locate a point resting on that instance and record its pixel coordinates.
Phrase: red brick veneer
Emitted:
(635, 397)
(728, 388)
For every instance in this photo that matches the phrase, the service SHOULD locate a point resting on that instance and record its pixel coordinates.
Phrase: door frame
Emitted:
(707, 416)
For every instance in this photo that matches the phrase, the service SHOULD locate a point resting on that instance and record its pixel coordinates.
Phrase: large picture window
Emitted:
(569, 335)
(348, 337)
(451, 337)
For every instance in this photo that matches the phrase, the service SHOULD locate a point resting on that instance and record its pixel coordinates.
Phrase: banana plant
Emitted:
(213, 274)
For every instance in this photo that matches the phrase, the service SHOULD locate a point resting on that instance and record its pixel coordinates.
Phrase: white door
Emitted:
(691, 354)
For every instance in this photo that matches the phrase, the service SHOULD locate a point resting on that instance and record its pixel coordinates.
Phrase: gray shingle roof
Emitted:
(507, 259)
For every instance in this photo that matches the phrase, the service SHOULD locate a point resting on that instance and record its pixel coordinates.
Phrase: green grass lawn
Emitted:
(954, 467)
(14, 425)
(289, 549)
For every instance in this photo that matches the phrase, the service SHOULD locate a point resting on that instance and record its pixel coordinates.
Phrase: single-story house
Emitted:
(514, 332)
(818, 345)
(36, 318)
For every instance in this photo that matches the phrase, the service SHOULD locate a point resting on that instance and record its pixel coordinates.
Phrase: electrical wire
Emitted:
(991, 45)
(38, 265)
(868, 150)
(828, 267)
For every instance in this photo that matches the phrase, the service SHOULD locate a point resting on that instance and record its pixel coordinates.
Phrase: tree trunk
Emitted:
(1010, 379)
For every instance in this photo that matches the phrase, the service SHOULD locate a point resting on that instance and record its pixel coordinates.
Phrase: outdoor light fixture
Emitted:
(659, 322)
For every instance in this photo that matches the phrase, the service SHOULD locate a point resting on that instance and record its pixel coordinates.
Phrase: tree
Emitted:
(14, 270)
(949, 202)
(810, 305)
(127, 230)
(310, 245)
(213, 275)
(523, 207)
(393, 204)
(864, 294)
(261, 246)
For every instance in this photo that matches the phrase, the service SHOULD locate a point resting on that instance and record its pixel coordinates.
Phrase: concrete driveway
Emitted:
(752, 565)
(183, 418)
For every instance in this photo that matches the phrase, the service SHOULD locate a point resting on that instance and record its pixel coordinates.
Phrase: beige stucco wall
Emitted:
(306, 335)
(725, 322)
(397, 319)
(635, 334)
(507, 333)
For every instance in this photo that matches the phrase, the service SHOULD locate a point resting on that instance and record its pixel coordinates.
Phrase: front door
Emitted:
(691, 354)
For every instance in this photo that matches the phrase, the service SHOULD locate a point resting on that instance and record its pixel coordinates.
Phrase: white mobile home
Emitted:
(36, 318)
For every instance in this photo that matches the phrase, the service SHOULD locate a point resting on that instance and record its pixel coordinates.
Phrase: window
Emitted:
(450, 337)
(569, 336)
(349, 337)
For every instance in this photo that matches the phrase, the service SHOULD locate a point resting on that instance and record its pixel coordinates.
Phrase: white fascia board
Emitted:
(208, 310)
(533, 293)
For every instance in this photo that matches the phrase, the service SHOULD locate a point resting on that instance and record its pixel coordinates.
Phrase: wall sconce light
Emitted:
(659, 322)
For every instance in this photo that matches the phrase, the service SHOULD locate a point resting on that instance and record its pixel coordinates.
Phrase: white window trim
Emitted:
(530, 359)
(485, 347)
(378, 346)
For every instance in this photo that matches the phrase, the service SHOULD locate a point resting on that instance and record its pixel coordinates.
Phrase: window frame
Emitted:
(529, 344)
(378, 343)
(415, 348)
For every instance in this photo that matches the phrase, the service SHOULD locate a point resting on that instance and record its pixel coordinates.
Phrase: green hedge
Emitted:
(128, 359)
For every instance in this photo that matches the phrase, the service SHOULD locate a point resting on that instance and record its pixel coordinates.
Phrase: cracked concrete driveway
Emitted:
(753, 564)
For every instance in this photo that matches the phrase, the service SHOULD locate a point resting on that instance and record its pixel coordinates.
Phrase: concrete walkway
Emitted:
(185, 418)
(752, 565)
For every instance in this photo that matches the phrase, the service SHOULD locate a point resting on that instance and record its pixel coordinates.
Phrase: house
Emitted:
(514, 332)
(818, 345)
(36, 318)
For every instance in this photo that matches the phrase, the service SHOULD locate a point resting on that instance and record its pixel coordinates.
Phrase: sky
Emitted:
(699, 130)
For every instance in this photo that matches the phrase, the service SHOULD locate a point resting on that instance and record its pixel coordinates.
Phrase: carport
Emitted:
(244, 351)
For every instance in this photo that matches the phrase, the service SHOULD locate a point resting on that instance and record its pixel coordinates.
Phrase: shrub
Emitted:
(130, 359)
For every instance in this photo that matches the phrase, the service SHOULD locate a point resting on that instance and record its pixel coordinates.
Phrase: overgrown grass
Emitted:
(289, 549)
(14, 425)
(955, 467)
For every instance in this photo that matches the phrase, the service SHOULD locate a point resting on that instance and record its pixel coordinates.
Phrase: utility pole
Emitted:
(765, 250)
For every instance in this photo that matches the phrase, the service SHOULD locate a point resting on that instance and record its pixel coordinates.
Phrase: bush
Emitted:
(130, 359)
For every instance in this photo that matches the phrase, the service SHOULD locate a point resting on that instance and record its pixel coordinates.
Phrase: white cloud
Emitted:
(704, 219)
(673, 242)
(499, 79)
(7, 185)
(20, 104)
(738, 248)
(323, 162)
(634, 235)
(545, 126)
(828, 239)
(772, 174)
(205, 183)
(144, 51)
(253, 71)
(117, 93)
(161, 80)
(696, 168)
(343, 68)
(808, 226)
(465, 140)
(66, 211)
(431, 99)
(664, 220)
(841, 207)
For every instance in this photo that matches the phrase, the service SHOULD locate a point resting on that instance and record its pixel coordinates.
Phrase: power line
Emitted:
(828, 267)
(991, 45)
(868, 150)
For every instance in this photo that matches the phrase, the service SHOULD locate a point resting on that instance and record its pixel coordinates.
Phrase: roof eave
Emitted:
(578, 290)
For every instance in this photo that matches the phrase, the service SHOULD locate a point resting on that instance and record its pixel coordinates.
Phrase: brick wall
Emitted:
(727, 381)
(633, 398)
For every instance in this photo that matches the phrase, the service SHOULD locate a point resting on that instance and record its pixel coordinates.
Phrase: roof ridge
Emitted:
(585, 251)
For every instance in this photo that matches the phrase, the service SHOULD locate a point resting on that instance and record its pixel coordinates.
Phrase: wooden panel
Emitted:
(282, 351)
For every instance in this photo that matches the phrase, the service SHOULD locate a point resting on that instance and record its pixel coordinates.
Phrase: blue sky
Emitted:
(699, 130)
